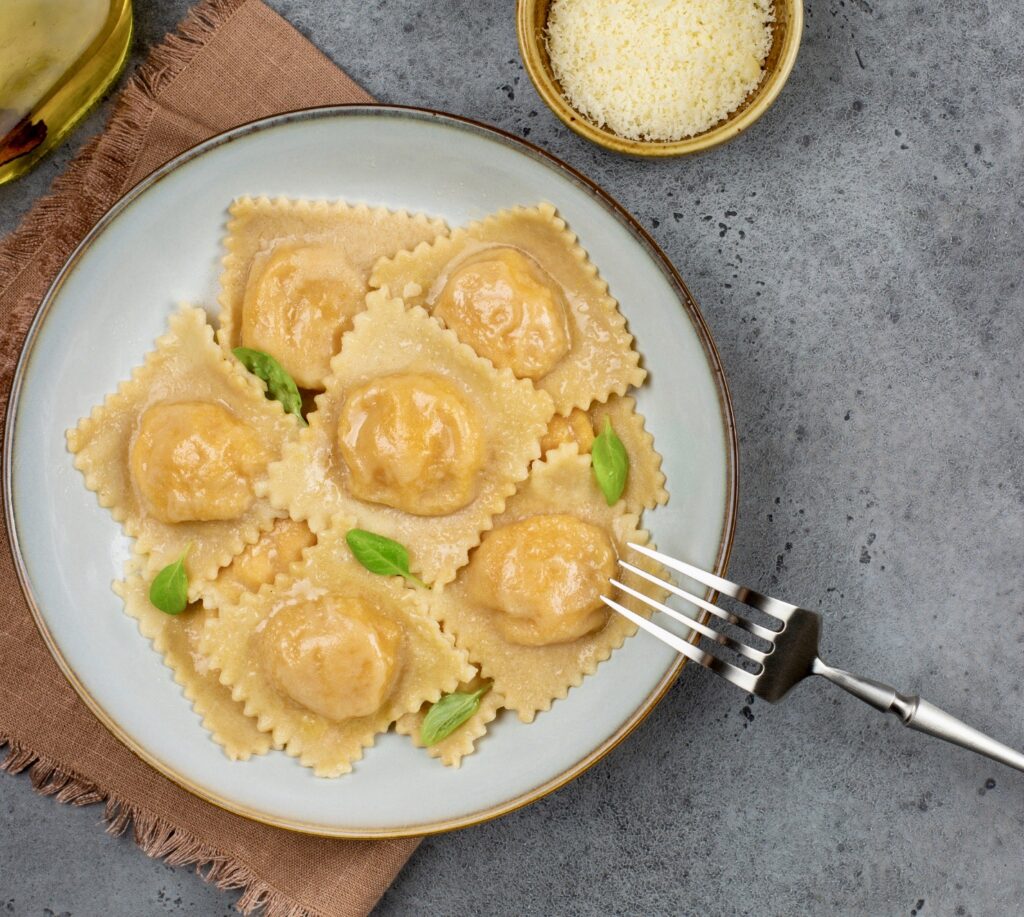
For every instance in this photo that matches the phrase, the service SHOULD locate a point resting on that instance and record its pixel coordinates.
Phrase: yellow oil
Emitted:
(57, 57)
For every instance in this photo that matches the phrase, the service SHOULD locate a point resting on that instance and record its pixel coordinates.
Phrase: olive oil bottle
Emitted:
(57, 57)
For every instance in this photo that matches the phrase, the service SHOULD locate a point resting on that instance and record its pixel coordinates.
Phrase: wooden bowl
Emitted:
(531, 20)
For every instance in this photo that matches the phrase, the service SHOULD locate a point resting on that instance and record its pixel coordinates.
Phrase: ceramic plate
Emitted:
(162, 244)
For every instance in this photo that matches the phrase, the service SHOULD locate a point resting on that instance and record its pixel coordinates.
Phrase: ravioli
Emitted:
(179, 451)
(331, 655)
(412, 441)
(527, 607)
(453, 385)
(507, 309)
(519, 289)
(645, 483)
(543, 577)
(259, 564)
(462, 741)
(296, 274)
(177, 638)
(415, 438)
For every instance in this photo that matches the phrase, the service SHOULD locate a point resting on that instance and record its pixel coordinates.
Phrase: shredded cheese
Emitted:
(658, 69)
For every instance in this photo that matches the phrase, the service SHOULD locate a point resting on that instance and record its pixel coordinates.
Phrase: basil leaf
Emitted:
(448, 714)
(169, 589)
(380, 555)
(280, 386)
(610, 463)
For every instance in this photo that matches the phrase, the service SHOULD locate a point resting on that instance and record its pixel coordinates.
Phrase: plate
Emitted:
(162, 244)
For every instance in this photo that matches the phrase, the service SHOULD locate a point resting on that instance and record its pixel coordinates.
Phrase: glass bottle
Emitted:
(57, 58)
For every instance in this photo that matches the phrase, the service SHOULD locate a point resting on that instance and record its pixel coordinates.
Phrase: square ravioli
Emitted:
(331, 655)
(527, 607)
(177, 452)
(259, 564)
(296, 272)
(415, 438)
(176, 638)
(453, 748)
(520, 290)
(645, 482)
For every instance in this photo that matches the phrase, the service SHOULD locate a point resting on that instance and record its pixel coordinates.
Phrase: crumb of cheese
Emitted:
(658, 69)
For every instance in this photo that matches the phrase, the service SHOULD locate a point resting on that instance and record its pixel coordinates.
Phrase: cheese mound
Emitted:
(658, 69)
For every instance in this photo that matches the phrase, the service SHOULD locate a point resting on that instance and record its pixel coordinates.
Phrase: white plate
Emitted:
(161, 244)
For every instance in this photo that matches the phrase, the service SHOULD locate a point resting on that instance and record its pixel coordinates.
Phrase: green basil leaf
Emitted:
(280, 386)
(380, 555)
(448, 714)
(169, 589)
(610, 463)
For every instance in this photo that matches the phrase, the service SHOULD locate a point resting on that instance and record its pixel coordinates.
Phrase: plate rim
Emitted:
(459, 122)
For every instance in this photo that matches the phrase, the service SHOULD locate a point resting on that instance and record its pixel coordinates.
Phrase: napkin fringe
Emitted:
(178, 48)
(153, 835)
(50, 228)
(30, 256)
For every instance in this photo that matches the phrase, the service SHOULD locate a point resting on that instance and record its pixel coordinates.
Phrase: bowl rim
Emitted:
(543, 81)
(688, 303)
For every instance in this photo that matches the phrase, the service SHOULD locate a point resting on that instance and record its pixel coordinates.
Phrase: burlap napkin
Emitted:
(231, 61)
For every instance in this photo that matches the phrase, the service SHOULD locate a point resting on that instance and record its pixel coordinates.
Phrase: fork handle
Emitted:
(917, 713)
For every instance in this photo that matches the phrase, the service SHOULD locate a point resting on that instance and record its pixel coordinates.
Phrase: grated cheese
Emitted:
(658, 69)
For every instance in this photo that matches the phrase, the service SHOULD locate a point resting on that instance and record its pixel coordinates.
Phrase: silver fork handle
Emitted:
(918, 714)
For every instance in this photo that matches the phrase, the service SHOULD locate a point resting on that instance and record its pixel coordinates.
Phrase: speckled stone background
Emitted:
(858, 257)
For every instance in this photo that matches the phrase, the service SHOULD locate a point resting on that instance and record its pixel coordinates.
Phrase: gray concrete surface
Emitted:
(858, 256)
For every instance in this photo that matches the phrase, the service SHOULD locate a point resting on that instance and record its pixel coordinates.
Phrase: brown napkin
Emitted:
(230, 61)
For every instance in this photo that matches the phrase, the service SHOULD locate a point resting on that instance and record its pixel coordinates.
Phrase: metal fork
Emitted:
(791, 654)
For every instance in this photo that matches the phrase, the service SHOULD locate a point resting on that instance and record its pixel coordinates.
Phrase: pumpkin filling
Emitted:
(274, 553)
(299, 301)
(574, 428)
(544, 577)
(336, 656)
(193, 462)
(507, 309)
(413, 442)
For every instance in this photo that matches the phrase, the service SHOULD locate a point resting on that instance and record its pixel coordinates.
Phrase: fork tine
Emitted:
(777, 608)
(757, 630)
(724, 639)
(727, 670)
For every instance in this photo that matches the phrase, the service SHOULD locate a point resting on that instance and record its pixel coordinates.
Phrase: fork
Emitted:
(790, 653)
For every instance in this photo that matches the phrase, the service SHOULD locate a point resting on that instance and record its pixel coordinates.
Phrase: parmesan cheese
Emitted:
(658, 69)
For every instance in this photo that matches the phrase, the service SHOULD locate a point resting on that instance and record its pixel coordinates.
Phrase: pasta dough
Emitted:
(178, 451)
(453, 748)
(486, 412)
(645, 483)
(530, 675)
(296, 273)
(518, 288)
(287, 653)
(176, 638)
